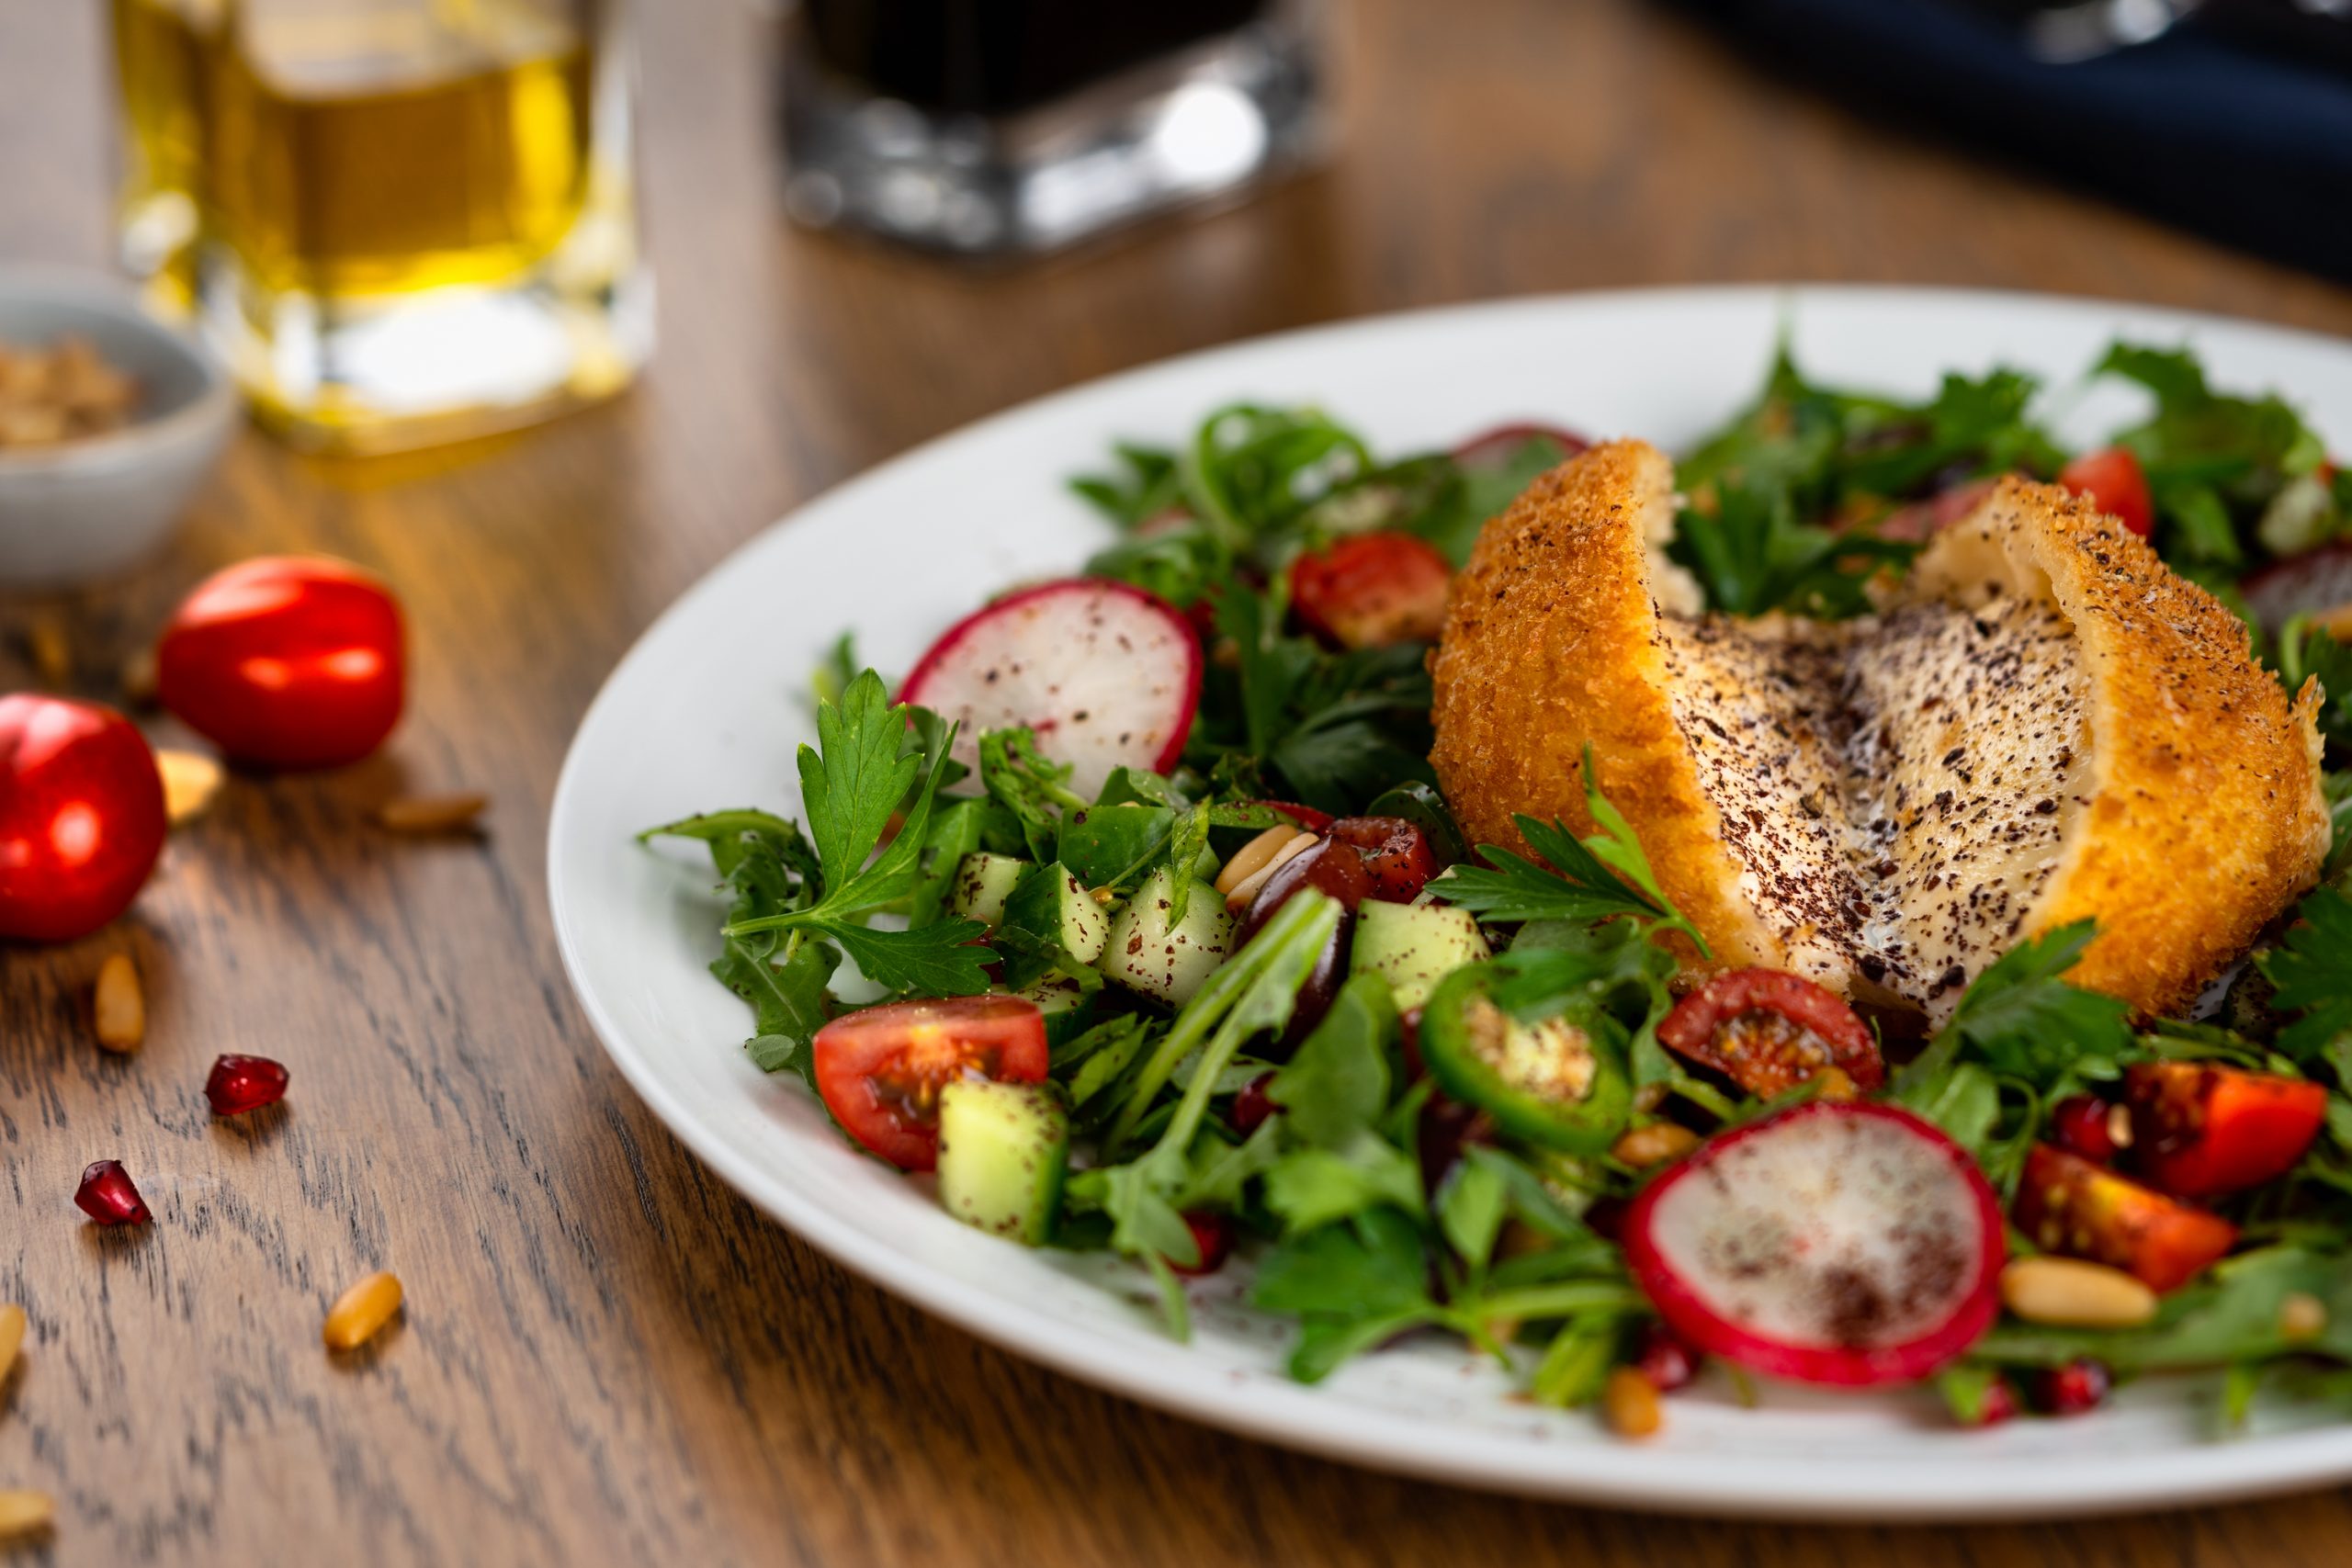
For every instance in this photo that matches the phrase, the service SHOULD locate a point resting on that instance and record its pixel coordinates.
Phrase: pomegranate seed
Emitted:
(107, 1195)
(1664, 1359)
(239, 1083)
(1999, 1404)
(2080, 1124)
(2072, 1389)
(1252, 1106)
(1212, 1233)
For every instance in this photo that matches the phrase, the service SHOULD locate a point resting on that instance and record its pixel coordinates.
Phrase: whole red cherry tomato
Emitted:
(81, 816)
(291, 662)
(2113, 479)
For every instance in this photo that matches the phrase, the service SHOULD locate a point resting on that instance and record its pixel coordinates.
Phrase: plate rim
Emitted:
(1301, 1418)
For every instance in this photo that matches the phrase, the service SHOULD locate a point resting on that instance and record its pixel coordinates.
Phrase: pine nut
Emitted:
(118, 1010)
(1252, 856)
(2070, 1292)
(190, 781)
(1629, 1404)
(12, 1338)
(51, 650)
(431, 813)
(1654, 1145)
(2301, 1315)
(139, 678)
(25, 1513)
(362, 1310)
(1247, 888)
(2119, 1125)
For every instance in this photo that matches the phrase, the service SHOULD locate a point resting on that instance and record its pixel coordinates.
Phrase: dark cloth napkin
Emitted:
(2240, 131)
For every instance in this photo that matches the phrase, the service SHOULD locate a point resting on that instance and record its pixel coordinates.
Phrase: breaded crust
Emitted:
(1552, 643)
(2204, 817)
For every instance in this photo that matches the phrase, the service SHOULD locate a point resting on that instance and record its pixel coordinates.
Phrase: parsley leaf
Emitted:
(2311, 967)
(854, 777)
(2024, 1021)
(1585, 880)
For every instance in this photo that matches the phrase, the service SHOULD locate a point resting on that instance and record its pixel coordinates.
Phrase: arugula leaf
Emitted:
(1029, 785)
(1142, 487)
(2312, 969)
(1337, 1083)
(2214, 462)
(1187, 839)
(1313, 1187)
(1370, 1266)
(789, 1001)
(1751, 554)
(1251, 469)
(2304, 651)
(2231, 1316)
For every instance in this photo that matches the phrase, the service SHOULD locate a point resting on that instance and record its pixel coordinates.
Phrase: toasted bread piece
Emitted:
(2046, 723)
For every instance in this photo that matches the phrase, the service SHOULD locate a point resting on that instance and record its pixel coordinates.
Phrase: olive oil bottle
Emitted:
(401, 220)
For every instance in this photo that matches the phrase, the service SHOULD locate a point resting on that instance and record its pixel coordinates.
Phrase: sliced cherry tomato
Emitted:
(2201, 1130)
(1306, 817)
(880, 1069)
(290, 662)
(1495, 448)
(1558, 1081)
(1395, 853)
(2064, 1203)
(1769, 1030)
(2113, 479)
(81, 816)
(1372, 590)
(1213, 1234)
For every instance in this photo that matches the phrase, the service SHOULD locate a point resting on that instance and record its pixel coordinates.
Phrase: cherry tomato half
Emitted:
(290, 662)
(2200, 1129)
(81, 816)
(1372, 590)
(880, 1069)
(2113, 479)
(2064, 1203)
(1769, 1030)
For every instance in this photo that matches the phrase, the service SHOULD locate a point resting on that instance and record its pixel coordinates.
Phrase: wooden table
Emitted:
(609, 1356)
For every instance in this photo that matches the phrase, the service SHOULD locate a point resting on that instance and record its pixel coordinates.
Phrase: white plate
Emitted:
(706, 710)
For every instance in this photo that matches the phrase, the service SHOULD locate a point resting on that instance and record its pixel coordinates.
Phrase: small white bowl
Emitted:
(96, 505)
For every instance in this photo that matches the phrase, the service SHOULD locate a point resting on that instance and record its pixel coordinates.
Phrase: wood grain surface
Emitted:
(607, 1357)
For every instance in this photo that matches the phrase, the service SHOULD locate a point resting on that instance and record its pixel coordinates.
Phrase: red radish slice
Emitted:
(1493, 449)
(2316, 583)
(1835, 1243)
(1107, 675)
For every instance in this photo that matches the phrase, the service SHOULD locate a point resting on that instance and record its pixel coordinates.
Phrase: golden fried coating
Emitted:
(2167, 787)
